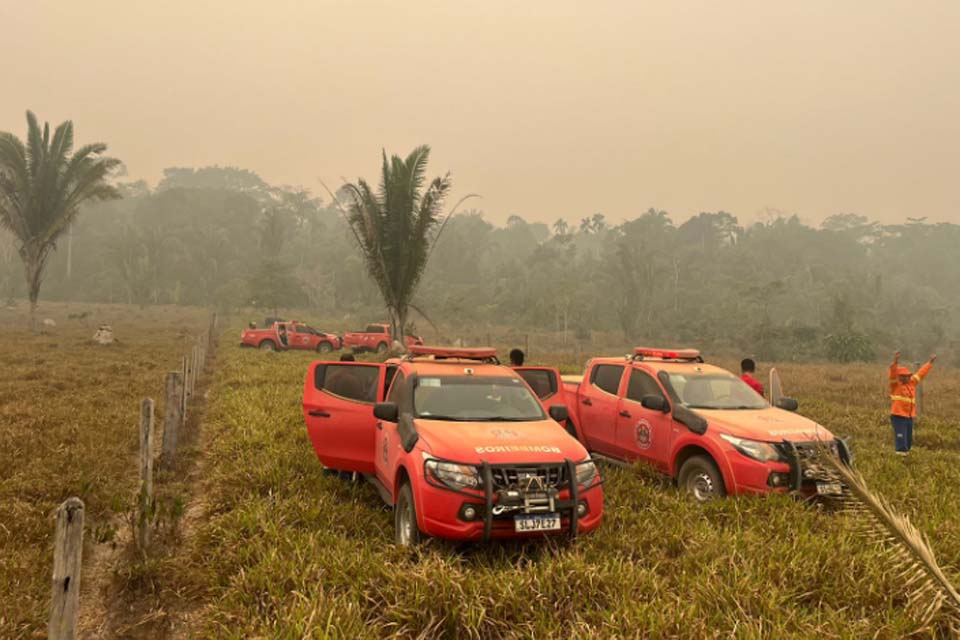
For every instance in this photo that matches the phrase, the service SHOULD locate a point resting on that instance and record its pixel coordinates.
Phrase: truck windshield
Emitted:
(716, 391)
(475, 399)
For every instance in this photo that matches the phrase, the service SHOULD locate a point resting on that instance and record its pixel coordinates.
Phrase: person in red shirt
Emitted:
(747, 368)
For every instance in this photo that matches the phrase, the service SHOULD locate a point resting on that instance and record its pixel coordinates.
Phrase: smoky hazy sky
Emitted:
(547, 109)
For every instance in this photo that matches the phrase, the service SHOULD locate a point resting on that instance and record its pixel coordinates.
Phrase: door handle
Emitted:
(317, 413)
(379, 426)
(625, 414)
(588, 402)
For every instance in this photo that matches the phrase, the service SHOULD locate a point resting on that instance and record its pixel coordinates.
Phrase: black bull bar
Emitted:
(803, 453)
(571, 504)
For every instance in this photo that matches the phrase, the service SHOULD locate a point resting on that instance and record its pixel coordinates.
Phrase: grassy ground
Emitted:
(68, 427)
(279, 550)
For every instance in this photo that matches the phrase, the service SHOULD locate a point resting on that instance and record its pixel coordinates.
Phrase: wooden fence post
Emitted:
(67, 560)
(172, 418)
(145, 498)
(196, 369)
(184, 390)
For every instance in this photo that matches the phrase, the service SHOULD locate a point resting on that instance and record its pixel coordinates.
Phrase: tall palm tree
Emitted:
(396, 227)
(41, 189)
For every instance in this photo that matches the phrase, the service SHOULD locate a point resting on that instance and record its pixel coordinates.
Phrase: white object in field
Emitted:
(397, 347)
(104, 335)
(48, 322)
(775, 388)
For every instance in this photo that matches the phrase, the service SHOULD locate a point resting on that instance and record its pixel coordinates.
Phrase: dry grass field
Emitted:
(283, 551)
(68, 426)
(269, 547)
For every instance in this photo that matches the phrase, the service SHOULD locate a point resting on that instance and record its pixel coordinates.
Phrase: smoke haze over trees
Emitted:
(847, 290)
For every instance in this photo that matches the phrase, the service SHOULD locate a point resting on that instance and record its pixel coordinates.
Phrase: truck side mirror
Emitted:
(655, 403)
(559, 412)
(787, 404)
(386, 411)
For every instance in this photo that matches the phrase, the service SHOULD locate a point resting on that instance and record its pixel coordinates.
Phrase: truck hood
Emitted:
(499, 442)
(770, 424)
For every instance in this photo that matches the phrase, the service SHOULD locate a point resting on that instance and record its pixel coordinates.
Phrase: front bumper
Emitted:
(800, 470)
(445, 511)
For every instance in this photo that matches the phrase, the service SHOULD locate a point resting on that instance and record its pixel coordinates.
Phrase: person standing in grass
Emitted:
(903, 401)
(516, 358)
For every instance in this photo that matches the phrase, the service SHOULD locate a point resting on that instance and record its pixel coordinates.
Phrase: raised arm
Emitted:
(925, 369)
(893, 368)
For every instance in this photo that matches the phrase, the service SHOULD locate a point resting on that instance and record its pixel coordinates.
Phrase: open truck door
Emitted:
(546, 384)
(775, 389)
(338, 399)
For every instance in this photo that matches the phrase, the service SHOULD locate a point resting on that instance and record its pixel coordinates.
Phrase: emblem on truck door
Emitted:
(643, 434)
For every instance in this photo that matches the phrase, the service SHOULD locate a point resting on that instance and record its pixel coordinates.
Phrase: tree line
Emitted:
(777, 289)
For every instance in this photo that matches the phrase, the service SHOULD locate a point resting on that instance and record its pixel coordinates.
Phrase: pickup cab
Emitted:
(284, 335)
(456, 443)
(695, 422)
(376, 337)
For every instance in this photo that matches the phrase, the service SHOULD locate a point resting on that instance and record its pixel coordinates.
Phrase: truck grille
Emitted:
(511, 477)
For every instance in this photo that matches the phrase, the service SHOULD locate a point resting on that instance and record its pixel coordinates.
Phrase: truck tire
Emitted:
(268, 345)
(700, 478)
(324, 347)
(406, 531)
(382, 347)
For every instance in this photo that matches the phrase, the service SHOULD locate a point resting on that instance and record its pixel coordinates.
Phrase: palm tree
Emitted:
(396, 227)
(41, 189)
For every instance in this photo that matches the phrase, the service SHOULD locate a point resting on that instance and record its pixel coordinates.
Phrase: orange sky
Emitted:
(547, 109)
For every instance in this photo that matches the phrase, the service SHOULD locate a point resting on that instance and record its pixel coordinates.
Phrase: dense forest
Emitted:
(851, 289)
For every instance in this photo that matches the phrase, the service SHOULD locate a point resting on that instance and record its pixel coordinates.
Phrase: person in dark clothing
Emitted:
(747, 368)
(347, 357)
(516, 358)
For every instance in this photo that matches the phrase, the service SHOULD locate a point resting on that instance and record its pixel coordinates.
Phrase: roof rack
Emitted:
(677, 355)
(482, 354)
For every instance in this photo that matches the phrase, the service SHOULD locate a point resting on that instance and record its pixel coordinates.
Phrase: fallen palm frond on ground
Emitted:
(930, 592)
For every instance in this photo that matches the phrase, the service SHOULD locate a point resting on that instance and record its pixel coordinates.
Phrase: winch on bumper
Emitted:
(530, 491)
(808, 473)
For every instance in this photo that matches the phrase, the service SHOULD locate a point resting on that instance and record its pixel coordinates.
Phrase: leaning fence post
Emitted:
(184, 390)
(67, 560)
(172, 418)
(145, 506)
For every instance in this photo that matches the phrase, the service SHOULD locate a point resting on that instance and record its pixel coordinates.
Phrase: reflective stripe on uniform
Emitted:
(904, 399)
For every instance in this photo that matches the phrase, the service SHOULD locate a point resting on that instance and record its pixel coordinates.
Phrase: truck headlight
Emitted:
(586, 472)
(453, 475)
(762, 451)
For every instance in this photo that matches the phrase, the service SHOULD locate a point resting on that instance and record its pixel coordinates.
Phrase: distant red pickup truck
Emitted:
(697, 423)
(376, 337)
(281, 336)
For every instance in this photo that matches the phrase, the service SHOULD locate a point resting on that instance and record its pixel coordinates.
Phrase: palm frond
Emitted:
(930, 592)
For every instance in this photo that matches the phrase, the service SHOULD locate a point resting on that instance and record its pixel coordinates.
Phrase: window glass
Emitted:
(714, 391)
(607, 377)
(373, 328)
(543, 383)
(642, 384)
(475, 399)
(350, 381)
(388, 378)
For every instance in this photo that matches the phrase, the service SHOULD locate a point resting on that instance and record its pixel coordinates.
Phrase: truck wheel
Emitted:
(267, 345)
(405, 527)
(382, 347)
(324, 347)
(700, 478)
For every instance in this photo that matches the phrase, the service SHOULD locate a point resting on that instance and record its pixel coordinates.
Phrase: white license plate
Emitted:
(538, 522)
(829, 488)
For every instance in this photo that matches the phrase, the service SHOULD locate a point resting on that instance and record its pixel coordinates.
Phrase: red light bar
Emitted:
(667, 354)
(467, 353)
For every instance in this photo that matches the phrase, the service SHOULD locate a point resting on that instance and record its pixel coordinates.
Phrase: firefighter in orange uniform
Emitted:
(903, 401)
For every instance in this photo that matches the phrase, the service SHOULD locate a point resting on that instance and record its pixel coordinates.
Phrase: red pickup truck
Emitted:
(698, 423)
(456, 443)
(290, 335)
(376, 337)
